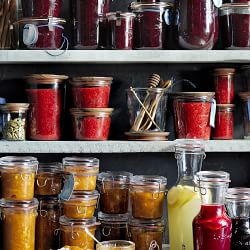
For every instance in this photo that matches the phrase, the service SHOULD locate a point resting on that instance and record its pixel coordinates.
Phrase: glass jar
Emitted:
(152, 25)
(224, 122)
(18, 224)
(245, 69)
(120, 29)
(85, 171)
(183, 202)
(91, 124)
(116, 245)
(245, 97)
(147, 234)
(197, 24)
(45, 95)
(18, 177)
(81, 205)
(113, 226)
(147, 194)
(14, 121)
(192, 112)
(49, 179)
(91, 92)
(114, 192)
(212, 227)
(47, 223)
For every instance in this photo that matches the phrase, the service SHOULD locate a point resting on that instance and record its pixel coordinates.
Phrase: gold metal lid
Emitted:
(45, 78)
(97, 112)
(160, 5)
(119, 14)
(208, 95)
(15, 107)
(228, 107)
(46, 20)
(224, 71)
(91, 81)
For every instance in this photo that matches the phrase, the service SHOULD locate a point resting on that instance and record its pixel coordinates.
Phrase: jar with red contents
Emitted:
(91, 124)
(224, 122)
(91, 92)
(45, 95)
(224, 85)
(193, 114)
(120, 29)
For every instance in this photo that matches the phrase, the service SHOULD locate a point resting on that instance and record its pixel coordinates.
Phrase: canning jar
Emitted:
(116, 245)
(152, 25)
(14, 121)
(245, 97)
(91, 124)
(85, 171)
(18, 224)
(194, 114)
(90, 92)
(147, 234)
(224, 122)
(49, 179)
(45, 95)
(120, 30)
(81, 205)
(74, 232)
(47, 223)
(18, 177)
(245, 69)
(147, 195)
(197, 23)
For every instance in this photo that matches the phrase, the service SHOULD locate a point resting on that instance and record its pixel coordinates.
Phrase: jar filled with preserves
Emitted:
(49, 179)
(245, 97)
(18, 177)
(114, 192)
(47, 223)
(147, 196)
(116, 245)
(18, 224)
(84, 170)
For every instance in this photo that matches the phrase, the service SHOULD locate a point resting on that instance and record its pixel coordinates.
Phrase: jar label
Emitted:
(68, 187)
(217, 3)
(30, 34)
(212, 113)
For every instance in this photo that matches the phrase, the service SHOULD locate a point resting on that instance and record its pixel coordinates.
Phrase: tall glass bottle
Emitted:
(183, 202)
(212, 227)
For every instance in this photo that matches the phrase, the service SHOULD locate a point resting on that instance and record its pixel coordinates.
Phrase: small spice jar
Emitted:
(116, 245)
(114, 191)
(49, 179)
(147, 194)
(81, 205)
(224, 85)
(91, 92)
(113, 226)
(14, 121)
(245, 97)
(224, 122)
(84, 170)
(18, 177)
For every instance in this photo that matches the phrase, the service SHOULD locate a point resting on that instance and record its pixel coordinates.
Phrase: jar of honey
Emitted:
(81, 205)
(114, 191)
(85, 172)
(18, 177)
(147, 194)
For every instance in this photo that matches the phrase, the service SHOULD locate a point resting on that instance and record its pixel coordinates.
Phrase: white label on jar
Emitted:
(212, 113)
(217, 3)
(30, 34)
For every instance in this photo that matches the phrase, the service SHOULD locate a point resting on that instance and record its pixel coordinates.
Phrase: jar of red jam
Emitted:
(193, 114)
(224, 85)
(224, 122)
(245, 97)
(91, 92)
(91, 124)
(246, 77)
(197, 24)
(45, 95)
(152, 23)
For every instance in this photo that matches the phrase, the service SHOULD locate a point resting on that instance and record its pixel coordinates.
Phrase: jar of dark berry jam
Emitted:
(245, 97)
(120, 30)
(224, 122)
(193, 114)
(152, 24)
(45, 95)
(197, 22)
(224, 85)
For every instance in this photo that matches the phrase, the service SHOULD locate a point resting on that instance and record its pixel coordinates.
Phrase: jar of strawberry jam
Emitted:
(245, 97)
(224, 122)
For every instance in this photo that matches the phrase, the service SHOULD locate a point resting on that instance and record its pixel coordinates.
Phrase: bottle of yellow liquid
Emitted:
(183, 200)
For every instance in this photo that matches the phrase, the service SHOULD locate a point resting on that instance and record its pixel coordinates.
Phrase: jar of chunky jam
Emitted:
(49, 179)
(85, 171)
(245, 69)
(193, 116)
(147, 234)
(114, 192)
(224, 122)
(152, 24)
(245, 97)
(113, 226)
(147, 195)
(116, 245)
(18, 224)
(47, 223)
(18, 177)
